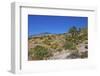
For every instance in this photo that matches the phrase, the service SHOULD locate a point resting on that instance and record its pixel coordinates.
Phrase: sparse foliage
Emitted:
(69, 45)
(41, 52)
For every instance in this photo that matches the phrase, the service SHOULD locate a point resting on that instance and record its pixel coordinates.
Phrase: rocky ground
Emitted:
(67, 55)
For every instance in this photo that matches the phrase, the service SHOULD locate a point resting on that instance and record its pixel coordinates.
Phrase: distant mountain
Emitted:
(40, 34)
(46, 34)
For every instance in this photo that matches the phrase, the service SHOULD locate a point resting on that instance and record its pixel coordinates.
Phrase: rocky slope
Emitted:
(58, 46)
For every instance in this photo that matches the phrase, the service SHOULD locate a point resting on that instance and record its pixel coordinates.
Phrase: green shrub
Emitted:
(59, 49)
(41, 53)
(69, 45)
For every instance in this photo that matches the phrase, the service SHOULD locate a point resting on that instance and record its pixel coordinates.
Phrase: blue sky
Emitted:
(54, 24)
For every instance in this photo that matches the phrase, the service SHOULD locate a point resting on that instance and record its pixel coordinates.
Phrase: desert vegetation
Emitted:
(68, 45)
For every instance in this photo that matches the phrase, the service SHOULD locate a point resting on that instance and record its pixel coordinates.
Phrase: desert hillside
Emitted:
(68, 45)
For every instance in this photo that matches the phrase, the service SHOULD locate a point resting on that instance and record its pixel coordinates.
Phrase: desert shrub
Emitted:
(84, 37)
(41, 52)
(68, 38)
(54, 45)
(47, 42)
(41, 37)
(59, 49)
(74, 39)
(69, 45)
(49, 37)
(84, 32)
